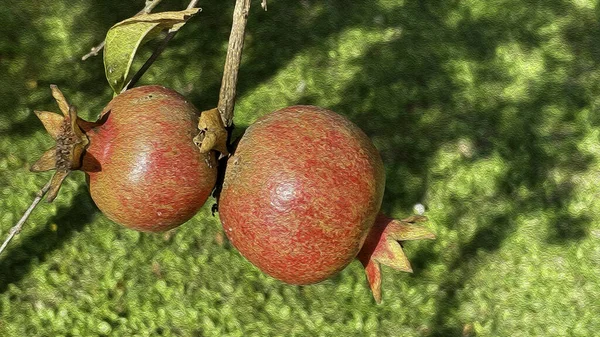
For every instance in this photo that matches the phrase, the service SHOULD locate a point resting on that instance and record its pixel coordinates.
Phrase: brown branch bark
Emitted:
(215, 125)
(232, 61)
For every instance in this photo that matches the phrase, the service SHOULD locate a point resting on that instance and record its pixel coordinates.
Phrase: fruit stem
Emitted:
(17, 228)
(232, 61)
(215, 134)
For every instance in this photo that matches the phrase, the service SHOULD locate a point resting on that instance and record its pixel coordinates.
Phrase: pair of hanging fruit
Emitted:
(301, 193)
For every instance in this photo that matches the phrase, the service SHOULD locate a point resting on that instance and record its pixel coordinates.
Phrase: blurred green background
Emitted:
(486, 112)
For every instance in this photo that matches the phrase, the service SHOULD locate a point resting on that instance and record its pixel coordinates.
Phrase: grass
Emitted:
(485, 112)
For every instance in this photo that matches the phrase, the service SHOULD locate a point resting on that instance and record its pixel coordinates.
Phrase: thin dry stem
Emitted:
(94, 51)
(192, 4)
(17, 228)
(148, 7)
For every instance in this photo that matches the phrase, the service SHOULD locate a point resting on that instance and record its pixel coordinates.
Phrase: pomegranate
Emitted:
(301, 197)
(143, 168)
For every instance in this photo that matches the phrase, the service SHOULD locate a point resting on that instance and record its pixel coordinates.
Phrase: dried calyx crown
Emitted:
(68, 131)
(384, 246)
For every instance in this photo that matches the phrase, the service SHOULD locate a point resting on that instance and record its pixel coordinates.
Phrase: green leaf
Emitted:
(124, 39)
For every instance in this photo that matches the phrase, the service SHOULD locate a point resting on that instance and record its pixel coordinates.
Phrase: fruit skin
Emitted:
(143, 169)
(301, 193)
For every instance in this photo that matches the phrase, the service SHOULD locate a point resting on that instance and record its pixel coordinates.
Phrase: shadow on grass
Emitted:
(30, 249)
(409, 98)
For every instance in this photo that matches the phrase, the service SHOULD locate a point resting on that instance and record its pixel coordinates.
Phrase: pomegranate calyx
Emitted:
(71, 142)
(383, 246)
(213, 135)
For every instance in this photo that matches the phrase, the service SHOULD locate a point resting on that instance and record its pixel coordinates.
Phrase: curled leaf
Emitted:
(123, 40)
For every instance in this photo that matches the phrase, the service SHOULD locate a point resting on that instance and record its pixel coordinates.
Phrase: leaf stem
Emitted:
(17, 228)
(148, 7)
(155, 54)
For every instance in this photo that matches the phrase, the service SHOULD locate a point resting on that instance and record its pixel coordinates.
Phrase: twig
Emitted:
(148, 7)
(192, 4)
(17, 228)
(150, 4)
(94, 51)
(232, 61)
(163, 45)
(215, 125)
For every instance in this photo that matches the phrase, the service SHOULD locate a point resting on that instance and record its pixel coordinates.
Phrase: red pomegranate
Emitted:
(143, 168)
(301, 197)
